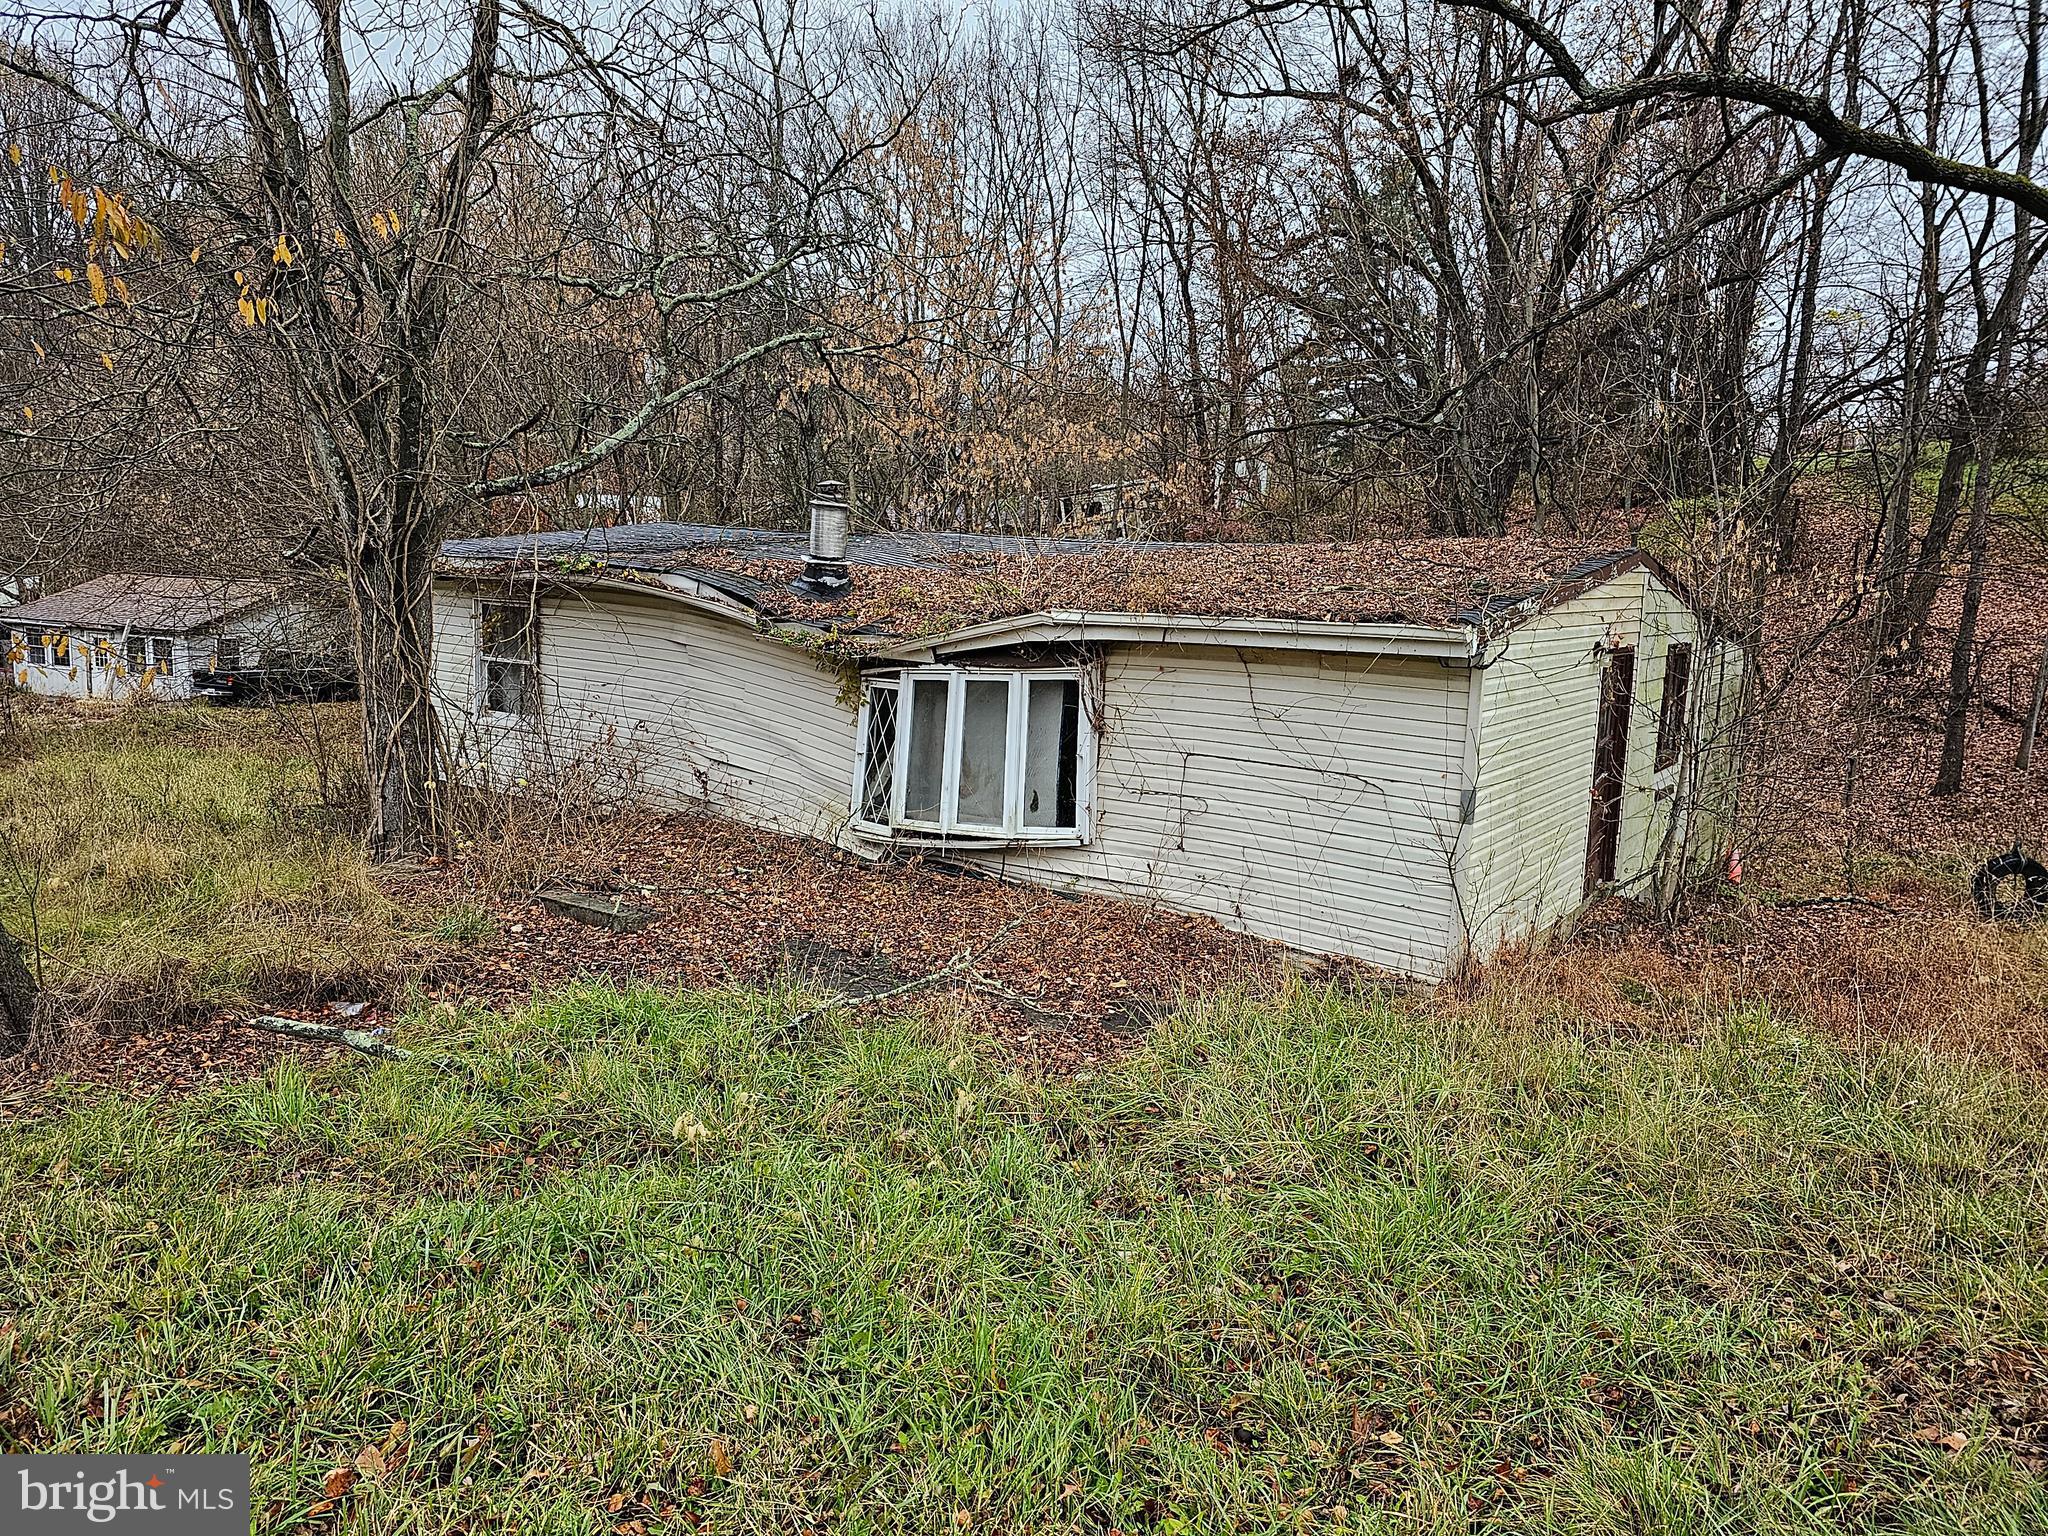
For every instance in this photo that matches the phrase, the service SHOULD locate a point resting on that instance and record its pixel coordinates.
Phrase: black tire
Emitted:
(2032, 901)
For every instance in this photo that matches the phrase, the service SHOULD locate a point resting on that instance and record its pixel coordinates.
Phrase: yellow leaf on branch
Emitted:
(108, 359)
(281, 255)
(247, 308)
(66, 274)
(96, 280)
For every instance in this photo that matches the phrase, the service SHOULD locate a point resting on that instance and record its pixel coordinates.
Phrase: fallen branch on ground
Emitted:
(959, 965)
(946, 972)
(364, 1040)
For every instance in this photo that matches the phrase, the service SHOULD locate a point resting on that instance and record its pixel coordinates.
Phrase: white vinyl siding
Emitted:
(1309, 798)
(1524, 868)
(646, 693)
(1317, 799)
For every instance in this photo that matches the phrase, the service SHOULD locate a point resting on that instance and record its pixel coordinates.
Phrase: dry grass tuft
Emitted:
(1926, 973)
(168, 862)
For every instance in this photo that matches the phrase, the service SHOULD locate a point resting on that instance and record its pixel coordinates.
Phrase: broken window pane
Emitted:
(1052, 753)
(507, 635)
(984, 752)
(924, 775)
(505, 688)
(879, 762)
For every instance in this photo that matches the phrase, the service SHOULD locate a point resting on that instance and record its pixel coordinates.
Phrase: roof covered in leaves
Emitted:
(914, 585)
(130, 600)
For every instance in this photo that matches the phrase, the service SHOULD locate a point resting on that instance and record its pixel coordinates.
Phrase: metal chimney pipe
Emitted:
(825, 574)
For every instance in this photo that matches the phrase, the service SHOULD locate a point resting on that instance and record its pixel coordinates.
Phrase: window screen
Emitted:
(138, 656)
(924, 776)
(984, 753)
(160, 651)
(1052, 753)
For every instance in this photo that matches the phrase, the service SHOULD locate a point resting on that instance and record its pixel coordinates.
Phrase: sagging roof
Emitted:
(919, 585)
(159, 604)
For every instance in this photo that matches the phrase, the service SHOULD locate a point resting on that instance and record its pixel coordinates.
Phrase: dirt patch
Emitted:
(1939, 1391)
(174, 1059)
(1061, 982)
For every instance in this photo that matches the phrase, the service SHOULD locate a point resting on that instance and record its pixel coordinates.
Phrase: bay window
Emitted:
(976, 754)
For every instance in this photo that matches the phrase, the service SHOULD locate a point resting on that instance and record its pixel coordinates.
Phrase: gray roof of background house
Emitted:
(130, 600)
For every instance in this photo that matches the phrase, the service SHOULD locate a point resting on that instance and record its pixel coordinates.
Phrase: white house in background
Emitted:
(117, 636)
(1407, 752)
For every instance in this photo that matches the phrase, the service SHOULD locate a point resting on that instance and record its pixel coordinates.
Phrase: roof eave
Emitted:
(612, 578)
(1072, 626)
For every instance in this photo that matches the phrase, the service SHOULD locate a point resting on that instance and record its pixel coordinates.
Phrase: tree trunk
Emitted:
(1963, 659)
(2032, 730)
(1784, 464)
(18, 997)
(391, 589)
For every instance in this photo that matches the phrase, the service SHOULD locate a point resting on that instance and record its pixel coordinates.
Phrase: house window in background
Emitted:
(508, 644)
(227, 654)
(161, 650)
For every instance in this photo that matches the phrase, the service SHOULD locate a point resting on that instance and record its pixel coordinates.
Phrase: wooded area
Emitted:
(310, 291)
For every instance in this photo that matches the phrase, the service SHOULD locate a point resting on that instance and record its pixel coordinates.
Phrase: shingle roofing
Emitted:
(922, 584)
(161, 604)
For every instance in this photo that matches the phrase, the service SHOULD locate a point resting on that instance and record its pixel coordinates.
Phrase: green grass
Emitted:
(1314, 1265)
(175, 857)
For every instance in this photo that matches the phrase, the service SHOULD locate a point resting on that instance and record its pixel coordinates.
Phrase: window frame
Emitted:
(948, 828)
(1671, 732)
(529, 614)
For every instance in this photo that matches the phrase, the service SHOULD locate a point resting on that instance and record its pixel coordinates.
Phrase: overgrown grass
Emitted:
(650, 1263)
(166, 858)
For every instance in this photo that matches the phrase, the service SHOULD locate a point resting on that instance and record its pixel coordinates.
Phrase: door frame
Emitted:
(1610, 765)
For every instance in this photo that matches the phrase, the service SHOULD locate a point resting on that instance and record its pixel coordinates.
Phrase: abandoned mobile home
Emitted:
(1408, 753)
(121, 635)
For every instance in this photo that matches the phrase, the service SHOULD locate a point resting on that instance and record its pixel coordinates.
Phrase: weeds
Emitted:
(162, 860)
(1916, 974)
(1320, 1266)
(462, 923)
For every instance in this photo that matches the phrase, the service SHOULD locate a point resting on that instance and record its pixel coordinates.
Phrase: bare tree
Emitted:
(377, 238)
